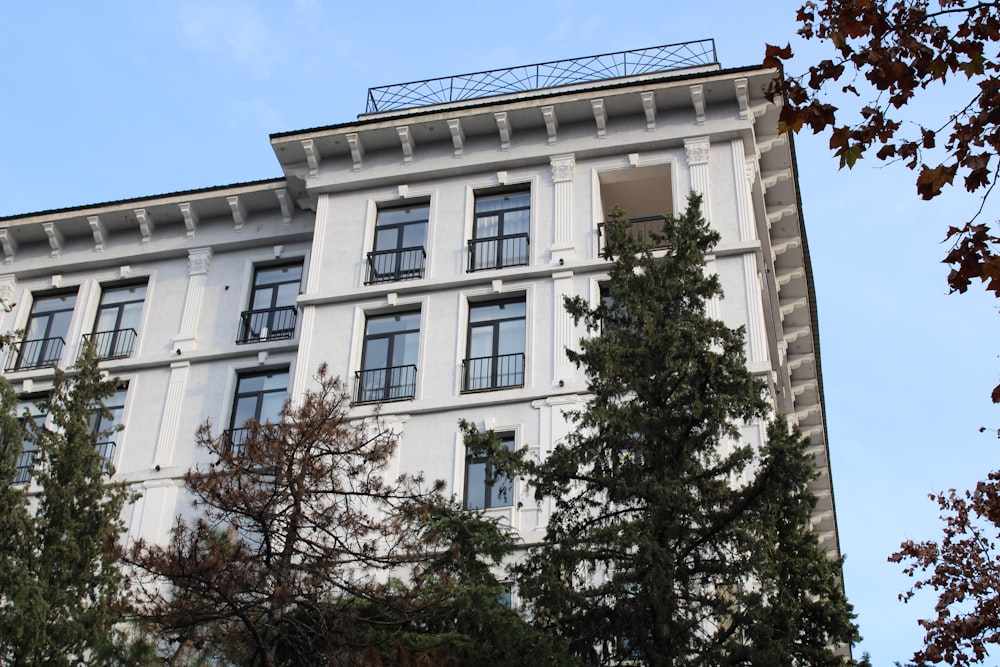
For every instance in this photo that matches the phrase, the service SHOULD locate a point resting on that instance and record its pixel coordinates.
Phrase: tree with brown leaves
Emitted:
(964, 570)
(298, 535)
(899, 49)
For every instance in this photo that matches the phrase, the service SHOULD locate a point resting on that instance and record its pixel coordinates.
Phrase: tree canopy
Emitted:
(892, 52)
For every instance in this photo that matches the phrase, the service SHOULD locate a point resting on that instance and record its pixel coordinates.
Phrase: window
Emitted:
(500, 231)
(105, 427)
(259, 398)
(388, 363)
(117, 323)
(44, 336)
(272, 312)
(25, 467)
(398, 253)
(496, 346)
(484, 488)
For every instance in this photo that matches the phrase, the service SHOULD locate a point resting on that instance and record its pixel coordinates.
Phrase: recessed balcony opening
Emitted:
(646, 196)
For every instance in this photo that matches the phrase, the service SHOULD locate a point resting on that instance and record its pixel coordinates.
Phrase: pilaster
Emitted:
(199, 262)
(563, 173)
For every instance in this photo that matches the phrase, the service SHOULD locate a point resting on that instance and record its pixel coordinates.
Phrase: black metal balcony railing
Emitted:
(542, 75)
(386, 384)
(267, 324)
(25, 465)
(117, 344)
(498, 252)
(106, 450)
(486, 373)
(236, 439)
(38, 353)
(389, 266)
(648, 229)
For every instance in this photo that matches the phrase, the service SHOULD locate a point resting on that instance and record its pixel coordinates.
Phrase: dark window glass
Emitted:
(389, 359)
(500, 232)
(259, 398)
(398, 252)
(45, 333)
(117, 323)
(24, 468)
(496, 345)
(484, 488)
(105, 426)
(272, 312)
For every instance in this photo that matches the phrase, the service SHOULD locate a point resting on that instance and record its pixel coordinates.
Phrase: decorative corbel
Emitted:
(649, 107)
(9, 244)
(357, 150)
(600, 117)
(551, 122)
(503, 126)
(743, 97)
(406, 141)
(146, 224)
(698, 100)
(312, 156)
(457, 136)
(100, 232)
(287, 205)
(55, 237)
(191, 219)
(239, 209)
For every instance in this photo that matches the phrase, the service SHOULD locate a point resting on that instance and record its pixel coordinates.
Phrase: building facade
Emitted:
(423, 252)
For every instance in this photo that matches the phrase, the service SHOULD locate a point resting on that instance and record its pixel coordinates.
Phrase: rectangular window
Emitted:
(389, 359)
(105, 427)
(25, 467)
(496, 345)
(272, 311)
(484, 488)
(117, 323)
(398, 252)
(259, 398)
(45, 333)
(500, 231)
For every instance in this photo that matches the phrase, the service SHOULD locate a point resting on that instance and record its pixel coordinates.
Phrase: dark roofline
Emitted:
(130, 200)
(609, 84)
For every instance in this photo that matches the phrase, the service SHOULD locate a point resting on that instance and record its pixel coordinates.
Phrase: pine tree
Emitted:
(669, 537)
(66, 588)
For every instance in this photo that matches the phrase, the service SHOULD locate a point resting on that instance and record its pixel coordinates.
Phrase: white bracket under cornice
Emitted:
(800, 388)
(799, 361)
(788, 276)
(649, 107)
(776, 214)
(790, 307)
(760, 109)
(503, 127)
(698, 100)
(287, 205)
(772, 178)
(778, 249)
(551, 122)
(792, 335)
(357, 149)
(99, 231)
(457, 136)
(239, 209)
(191, 218)
(146, 224)
(312, 156)
(600, 117)
(9, 244)
(765, 144)
(55, 237)
(406, 142)
(743, 98)
(807, 413)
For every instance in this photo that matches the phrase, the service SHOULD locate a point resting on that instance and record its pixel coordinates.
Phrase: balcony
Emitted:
(498, 252)
(644, 230)
(390, 266)
(117, 344)
(237, 438)
(25, 464)
(38, 353)
(257, 326)
(106, 450)
(386, 384)
(488, 373)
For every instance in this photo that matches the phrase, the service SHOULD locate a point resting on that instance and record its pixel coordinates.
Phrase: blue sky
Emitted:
(110, 100)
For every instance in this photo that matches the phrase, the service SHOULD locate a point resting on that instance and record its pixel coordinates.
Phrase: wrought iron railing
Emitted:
(106, 450)
(236, 439)
(25, 463)
(390, 266)
(39, 353)
(498, 252)
(267, 324)
(386, 384)
(541, 75)
(648, 229)
(486, 373)
(117, 344)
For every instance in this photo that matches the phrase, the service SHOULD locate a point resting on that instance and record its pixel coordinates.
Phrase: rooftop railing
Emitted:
(542, 75)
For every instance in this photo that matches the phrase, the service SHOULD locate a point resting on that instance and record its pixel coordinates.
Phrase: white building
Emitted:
(423, 252)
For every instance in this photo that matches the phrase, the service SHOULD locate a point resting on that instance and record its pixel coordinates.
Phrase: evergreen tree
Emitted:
(63, 589)
(671, 541)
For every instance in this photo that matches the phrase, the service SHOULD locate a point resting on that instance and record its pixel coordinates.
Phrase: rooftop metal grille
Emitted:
(542, 75)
